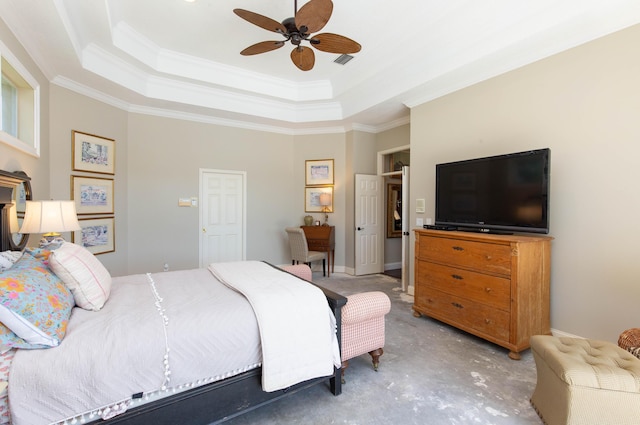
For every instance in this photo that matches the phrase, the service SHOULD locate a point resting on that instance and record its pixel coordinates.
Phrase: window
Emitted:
(20, 106)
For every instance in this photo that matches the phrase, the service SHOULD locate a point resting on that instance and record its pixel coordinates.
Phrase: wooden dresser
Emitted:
(323, 239)
(493, 286)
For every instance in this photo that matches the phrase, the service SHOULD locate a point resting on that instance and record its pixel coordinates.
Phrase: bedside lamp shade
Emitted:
(325, 201)
(50, 218)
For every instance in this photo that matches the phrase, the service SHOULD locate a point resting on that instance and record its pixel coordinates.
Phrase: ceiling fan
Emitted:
(311, 17)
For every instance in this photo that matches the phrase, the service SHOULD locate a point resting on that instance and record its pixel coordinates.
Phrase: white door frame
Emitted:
(406, 234)
(201, 212)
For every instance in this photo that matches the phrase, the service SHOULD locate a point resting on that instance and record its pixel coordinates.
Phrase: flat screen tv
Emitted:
(497, 194)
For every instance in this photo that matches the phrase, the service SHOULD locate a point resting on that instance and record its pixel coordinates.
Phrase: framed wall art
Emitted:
(319, 172)
(96, 234)
(92, 195)
(394, 210)
(93, 153)
(312, 199)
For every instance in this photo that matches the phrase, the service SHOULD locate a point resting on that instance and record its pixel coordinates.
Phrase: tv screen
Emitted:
(505, 193)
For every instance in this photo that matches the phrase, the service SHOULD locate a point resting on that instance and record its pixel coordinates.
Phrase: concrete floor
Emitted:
(430, 373)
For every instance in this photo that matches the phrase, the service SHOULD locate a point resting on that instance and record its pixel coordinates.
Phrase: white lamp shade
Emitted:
(50, 217)
(325, 199)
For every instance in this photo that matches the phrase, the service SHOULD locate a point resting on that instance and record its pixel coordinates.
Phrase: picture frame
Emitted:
(92, 195)
(97, 235)
(312, 199)
(94, 154)
(318, 172)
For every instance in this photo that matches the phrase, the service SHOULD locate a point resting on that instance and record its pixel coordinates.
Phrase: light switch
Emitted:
(420, 205)
(419, 222)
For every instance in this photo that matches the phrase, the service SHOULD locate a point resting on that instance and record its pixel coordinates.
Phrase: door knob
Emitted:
(204, 230)
(359, 228)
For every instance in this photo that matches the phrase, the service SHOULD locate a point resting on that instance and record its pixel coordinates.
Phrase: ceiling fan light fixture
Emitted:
(311, 17)
(343, 59)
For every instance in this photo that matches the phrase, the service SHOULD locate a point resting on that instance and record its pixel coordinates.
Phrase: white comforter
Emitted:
(108, 356)
(297, 328)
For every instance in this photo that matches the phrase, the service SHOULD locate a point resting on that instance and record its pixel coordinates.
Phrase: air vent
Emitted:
(343, 59)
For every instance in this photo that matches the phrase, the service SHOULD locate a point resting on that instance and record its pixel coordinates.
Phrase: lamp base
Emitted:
(51, 240)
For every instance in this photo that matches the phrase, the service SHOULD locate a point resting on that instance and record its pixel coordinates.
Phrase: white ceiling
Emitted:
(181, 59)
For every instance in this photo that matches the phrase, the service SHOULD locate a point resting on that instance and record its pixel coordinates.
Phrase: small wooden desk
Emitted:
(323, 239)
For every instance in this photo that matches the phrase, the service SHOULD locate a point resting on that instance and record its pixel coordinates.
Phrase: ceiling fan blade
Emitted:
(303, 58)
(314, 15)
(260, 20)
(262, 47)
(334, 43)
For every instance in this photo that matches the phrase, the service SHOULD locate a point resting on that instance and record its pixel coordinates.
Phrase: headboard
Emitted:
(12, 187)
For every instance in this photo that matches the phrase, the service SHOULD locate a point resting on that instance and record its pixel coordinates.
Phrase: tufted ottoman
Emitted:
(582, 381)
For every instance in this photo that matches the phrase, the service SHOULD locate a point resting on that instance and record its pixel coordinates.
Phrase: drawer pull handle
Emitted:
(487, 289)
(457, 276)
(487, 321)
(458, 248)
(456, 305)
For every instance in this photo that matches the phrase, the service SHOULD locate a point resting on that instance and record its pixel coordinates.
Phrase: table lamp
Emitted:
(325, 201)
(50, 218)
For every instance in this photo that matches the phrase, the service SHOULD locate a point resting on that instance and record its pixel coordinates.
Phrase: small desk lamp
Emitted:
(325, 201)
(50, 218)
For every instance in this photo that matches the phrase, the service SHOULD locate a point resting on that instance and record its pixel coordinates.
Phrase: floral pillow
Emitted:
(34, 304)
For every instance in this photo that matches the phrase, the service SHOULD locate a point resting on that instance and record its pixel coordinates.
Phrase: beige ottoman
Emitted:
(582, 382)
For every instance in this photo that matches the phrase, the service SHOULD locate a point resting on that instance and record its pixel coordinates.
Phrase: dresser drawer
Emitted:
(493, 291)
(465, 314)
(485, 257)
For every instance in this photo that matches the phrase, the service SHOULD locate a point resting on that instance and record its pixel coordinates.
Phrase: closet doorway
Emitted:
(393, 165)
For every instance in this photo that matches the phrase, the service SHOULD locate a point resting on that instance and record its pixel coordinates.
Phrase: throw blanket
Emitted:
(297, 328)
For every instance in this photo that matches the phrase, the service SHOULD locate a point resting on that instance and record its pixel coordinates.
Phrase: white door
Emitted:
(222, 216)
(406, 235)
(369, 221)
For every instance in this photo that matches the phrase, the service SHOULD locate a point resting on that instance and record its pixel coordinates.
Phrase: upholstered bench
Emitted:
(363, 326)
(362, 321)
(582, 381)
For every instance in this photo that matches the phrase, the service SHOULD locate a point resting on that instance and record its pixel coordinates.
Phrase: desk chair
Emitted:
(300, 250)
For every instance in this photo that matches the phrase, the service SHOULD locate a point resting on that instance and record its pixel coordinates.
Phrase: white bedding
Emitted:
(109, 355)
(297, 327)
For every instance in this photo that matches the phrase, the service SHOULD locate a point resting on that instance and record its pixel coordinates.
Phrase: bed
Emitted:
(169, 392)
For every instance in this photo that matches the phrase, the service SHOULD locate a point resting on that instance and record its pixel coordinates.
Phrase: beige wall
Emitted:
(584, 104)
(70, 111)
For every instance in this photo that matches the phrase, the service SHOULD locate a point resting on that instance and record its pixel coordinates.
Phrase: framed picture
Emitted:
(319, 172)
(96, 234)
(312, 199)
(93, 153)
(92, 195)
(394, 210)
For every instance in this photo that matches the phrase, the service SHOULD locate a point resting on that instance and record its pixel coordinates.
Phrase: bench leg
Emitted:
(375, 357)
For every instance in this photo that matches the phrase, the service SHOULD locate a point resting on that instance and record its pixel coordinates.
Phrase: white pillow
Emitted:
(86, 277)
(8, 258)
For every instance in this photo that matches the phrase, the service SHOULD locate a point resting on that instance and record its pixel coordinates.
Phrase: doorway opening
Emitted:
(393, 165)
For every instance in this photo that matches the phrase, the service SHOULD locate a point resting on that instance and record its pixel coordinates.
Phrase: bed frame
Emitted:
(209, 404)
